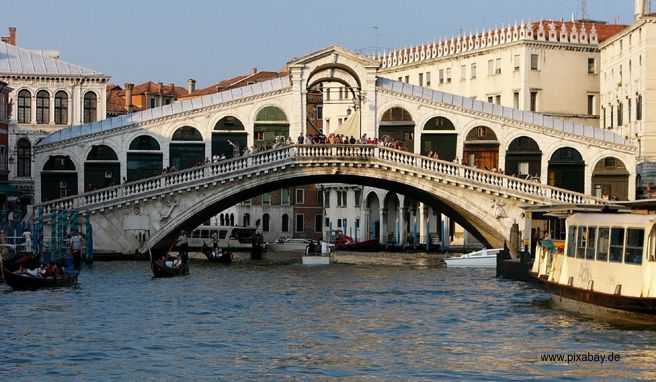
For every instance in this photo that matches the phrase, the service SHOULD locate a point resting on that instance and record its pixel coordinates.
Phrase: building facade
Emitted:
(48, 94)
(5, 112)
(147, 95)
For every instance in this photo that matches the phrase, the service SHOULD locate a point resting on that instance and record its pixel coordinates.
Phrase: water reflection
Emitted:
(278, 323)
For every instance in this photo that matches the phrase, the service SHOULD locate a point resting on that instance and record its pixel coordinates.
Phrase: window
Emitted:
(490, 68)
(571, 241)
(328, 92)
(490, 99)
(407, 79)
(534, 62)
(581, 241)
(635, 238)
(639, 108)
(516, 63)
(463, 72)
(473, 71)
(441, 73)
(620, 114)
(317, 223)
(534, 101)
(265, 222)
(498, 66)
(448, 75)
(284, 197)
(497, 99)
(90, 105)
(591, 104)
(616, 244)
(24, 161)
(341, 199)
(247, 220)
(285, 223)
(326, 199)
(628, 110)
(602, 244)
(612, 117)
(43, 107)
(266, 199)
(516, 100)
(319, 110)
(300, 223)
(591, 65)
(61, 108)
(327, 222)
(300, 196)
(523, 168)
(358, 197)
(153, 102)
(24, 106)
(428, 79)
(590, 250)
(421, 79)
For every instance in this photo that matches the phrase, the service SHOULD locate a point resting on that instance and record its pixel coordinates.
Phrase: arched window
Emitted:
(144, 158)
(481, 148)
(228, 134)
(232, 220)
(58, 178)
(524, 158)
(90, 107)
(42, 107)
(439, 123)
(221, 220)
(101, 169)
(61, 108)
(567, 169)
(285, 223)
(396, 114)
(270, 123)
(247, 220)
(610, 179)
(186, 149)
(24, 160)
(397, 125)
(265, 222)
(24, 106)
(439, 136)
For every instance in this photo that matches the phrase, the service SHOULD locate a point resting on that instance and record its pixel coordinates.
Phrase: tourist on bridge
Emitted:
(300, 139)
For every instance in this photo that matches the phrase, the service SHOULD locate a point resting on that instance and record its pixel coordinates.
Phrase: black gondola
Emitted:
(161, 270)
(23, 281)
(218, 256)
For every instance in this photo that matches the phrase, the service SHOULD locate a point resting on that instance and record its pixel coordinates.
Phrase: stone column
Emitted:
(402, 237)
(421, 217)
(381, 233)
(587, 185)
(544, 170)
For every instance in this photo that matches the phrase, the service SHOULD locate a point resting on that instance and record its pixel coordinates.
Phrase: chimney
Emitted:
(161, 88)
(641, 8)
(128, 96)
(172, 86)
(254, 70)
(191, 85)
(11, 39)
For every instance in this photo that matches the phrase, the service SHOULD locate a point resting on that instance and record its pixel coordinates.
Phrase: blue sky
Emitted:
(171, 41)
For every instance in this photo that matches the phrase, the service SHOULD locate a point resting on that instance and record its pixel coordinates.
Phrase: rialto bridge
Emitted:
(112, 169)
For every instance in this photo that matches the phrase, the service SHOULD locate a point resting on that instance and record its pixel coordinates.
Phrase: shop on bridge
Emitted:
(610, 179)
(270, 123)
(481, 148)
(567, 170)
(397, 125)
(228, 133)
(524, 158)
(439, 136)
(58, 178)
(186, 149)
(144, 158)
(101, 169)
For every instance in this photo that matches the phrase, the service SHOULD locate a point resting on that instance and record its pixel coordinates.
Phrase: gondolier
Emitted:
(183, 247)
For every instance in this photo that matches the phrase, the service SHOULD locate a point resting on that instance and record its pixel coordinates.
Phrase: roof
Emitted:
(235, 82)
(116, 95)
(115, 100)
(151, 87)
(181, 106)
(20, 61)
(604, 30)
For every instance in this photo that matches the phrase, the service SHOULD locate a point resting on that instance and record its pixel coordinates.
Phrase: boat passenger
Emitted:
(76, 250)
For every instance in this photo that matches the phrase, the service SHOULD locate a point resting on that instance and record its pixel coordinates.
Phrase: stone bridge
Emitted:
(149, 213)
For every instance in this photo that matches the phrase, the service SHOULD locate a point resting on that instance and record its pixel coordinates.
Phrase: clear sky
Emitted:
(170, 41)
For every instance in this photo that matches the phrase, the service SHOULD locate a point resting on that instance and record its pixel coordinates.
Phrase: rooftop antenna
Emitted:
(584, 9)
(376, 35)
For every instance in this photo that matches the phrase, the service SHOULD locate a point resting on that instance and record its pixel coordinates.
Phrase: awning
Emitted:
(350, 127)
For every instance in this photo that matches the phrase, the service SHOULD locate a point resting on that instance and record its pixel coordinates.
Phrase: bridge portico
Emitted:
(185, 135)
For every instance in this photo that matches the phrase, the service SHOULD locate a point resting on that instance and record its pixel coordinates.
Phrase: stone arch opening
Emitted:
(397, 125)
(229, 137)
(271, 124)
(186, 149)
(610, 179)
(481, 148)
(524, 158)
(58, 178)
(439, 138)
(285, 223)
(373, 217)
(144, 158)
(102, 168)
(391, 219)
(567, 169)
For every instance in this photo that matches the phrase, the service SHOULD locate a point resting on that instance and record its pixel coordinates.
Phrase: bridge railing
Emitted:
(305, 153)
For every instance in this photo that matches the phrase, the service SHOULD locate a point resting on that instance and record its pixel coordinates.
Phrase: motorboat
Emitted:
(289, 245)
(485, 258)
(25, 281)
(317, 253)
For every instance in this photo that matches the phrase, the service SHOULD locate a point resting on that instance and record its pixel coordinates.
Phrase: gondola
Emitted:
(161, 270)
(222, 257)
(22, 281)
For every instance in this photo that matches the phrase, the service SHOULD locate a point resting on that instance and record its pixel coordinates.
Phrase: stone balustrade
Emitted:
(332, 155)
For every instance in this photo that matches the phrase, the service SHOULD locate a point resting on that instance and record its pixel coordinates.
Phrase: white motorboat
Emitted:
(289, 245)
(485, 258)
(317, 253)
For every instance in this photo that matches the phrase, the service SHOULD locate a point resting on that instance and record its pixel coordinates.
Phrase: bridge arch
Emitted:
(270, 122)
(228, 129)
(610, 179)
(397, 123)
(481, 148)
(186, 148)
(567, 169)
(102, 167)
(144, 157)
(439, 135)
(328, 72)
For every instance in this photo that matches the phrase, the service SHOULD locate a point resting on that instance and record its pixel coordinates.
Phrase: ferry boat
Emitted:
(605, 268)
(486, 258)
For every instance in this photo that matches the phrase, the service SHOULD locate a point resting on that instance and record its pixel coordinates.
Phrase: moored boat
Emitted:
(606, 269)
(485, 258)
(25, 281)
(218, 256)
(169, 268)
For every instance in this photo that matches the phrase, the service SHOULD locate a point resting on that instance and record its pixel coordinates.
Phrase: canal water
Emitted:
(278, 323)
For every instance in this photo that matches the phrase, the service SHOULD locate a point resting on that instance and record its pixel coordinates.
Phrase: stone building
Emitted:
(48, 94)
(5, 112)
(147, 95)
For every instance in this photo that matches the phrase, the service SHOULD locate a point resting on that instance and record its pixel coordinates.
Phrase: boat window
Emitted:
(652, 254)
(571, 241)
(616, 244)
(602, 243)
(581, 241)
(204, 234)
(195, 234)
(223, 234)
(590, 251)
(635, 238)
